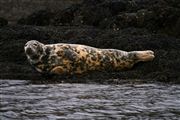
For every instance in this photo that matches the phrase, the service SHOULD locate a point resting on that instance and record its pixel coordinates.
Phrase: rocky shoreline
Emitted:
(136, 27)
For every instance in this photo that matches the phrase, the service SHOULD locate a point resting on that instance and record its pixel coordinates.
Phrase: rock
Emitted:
(120, 21)
(40, 18)
(163, 68)
(118, 24)
(3, 22)
(64, 17)
(155, 15)
(93, 15)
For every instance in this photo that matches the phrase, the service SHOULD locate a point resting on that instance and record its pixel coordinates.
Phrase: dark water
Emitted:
(22, 100)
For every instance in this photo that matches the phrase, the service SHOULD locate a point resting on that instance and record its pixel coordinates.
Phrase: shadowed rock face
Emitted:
(155, 15)
(135, 25)
(3, 22)
(14, 10)
(40, 18)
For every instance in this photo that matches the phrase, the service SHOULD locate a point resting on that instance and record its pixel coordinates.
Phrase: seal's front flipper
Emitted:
(144, 56)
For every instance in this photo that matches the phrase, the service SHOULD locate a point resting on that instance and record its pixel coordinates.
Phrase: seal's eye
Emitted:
(35, 44)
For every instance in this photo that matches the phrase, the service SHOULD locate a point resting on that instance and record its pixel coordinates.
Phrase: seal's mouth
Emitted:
(28, 51)
(31, 53)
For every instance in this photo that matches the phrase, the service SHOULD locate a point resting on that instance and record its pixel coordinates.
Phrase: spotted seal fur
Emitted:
(71, 59)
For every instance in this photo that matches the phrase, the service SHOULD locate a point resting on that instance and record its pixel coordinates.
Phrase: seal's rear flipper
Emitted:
(144, 56)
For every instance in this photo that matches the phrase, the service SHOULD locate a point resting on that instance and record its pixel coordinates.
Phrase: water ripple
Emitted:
(23, 100)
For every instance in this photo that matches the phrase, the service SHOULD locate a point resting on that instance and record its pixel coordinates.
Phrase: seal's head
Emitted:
(34, 50)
